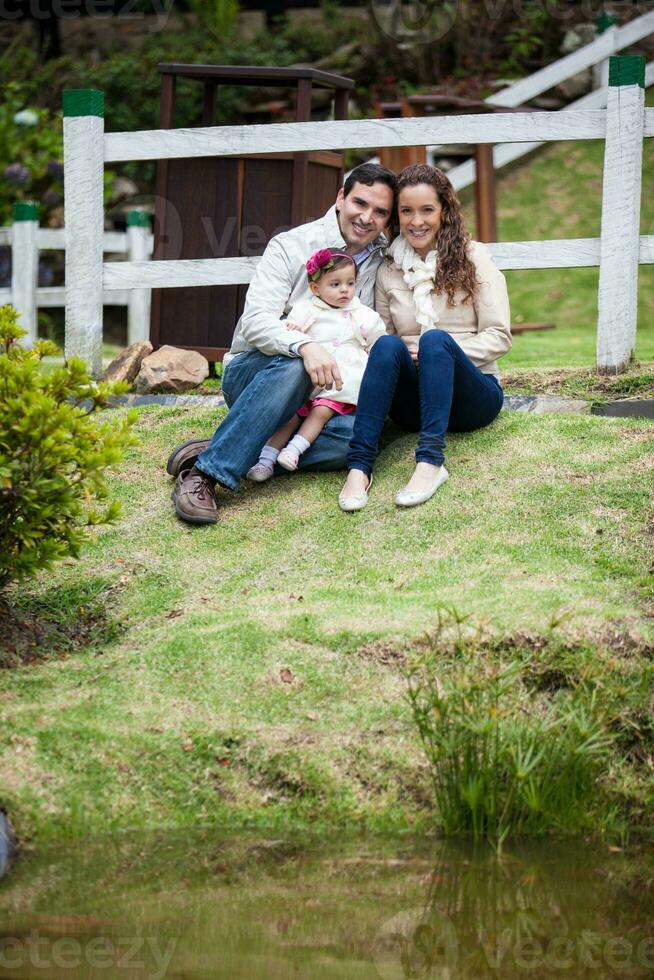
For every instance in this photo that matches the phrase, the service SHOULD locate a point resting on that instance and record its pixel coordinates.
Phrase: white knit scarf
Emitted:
(419, 275)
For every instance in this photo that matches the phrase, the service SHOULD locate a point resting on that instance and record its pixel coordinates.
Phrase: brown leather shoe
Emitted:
(194, 498)
(183, 457)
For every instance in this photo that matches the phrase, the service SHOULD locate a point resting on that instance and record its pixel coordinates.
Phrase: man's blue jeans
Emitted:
(262, 393)
(443, 391)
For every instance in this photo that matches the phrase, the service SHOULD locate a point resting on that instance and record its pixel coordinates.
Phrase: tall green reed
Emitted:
(503, 760)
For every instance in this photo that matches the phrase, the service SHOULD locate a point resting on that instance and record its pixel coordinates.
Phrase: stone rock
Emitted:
(544, 404)
(127, 365)
(577, 37)
(576, 86)
(123, 187)
(171, 369)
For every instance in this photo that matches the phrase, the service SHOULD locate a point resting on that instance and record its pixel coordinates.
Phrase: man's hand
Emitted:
(302, 328)
(320, 366)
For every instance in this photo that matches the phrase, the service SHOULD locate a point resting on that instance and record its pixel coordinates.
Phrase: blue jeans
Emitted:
(443, 391)
(262, 393)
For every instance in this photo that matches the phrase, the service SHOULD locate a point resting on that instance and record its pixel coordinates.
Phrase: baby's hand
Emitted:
(297, 326)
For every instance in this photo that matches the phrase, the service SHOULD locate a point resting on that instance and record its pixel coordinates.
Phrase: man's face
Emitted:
(364, 213)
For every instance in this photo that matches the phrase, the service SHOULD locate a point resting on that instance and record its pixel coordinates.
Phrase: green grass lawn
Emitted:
(249, 673)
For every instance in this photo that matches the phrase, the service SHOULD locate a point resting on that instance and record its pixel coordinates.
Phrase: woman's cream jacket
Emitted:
(482, 327)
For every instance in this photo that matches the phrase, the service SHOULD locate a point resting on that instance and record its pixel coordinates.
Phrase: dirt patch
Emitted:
(625, 643)
(383, 652)
(617, 638)
(56, 625)
(637, 382)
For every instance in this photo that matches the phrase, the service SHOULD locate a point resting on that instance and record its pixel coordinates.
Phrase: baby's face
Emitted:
(336, 288)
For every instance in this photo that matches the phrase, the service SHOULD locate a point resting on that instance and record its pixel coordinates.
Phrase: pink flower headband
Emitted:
(323, 259)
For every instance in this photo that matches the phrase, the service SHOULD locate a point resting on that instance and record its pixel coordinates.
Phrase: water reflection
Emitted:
(203, 906)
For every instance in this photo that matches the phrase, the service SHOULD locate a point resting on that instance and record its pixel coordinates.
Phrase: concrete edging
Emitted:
(534, 404)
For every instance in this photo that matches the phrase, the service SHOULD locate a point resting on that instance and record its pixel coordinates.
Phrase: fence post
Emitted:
(138, 302)
(619, 240)
(83, 197)
(25, 266)
(605, 22)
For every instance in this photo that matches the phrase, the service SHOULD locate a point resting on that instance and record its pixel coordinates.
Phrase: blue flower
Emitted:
(17, 174)
(55, 170)
(51, 199)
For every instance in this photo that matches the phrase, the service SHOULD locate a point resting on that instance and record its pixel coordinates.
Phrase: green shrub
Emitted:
(53, 454)
(32, 151)
(31, 148)
(502, 760)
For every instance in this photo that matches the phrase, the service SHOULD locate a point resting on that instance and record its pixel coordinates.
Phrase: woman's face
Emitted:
(420, 213)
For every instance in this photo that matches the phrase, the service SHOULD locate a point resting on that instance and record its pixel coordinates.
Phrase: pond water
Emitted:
(206, 905)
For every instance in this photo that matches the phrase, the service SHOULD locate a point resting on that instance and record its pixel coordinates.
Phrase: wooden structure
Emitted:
(211, 207)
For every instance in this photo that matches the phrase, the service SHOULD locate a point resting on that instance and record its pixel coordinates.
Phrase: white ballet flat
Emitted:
(357, 501)
(409, 498)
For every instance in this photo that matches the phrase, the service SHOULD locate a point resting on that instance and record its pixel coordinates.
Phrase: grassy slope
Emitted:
(556, 193)
(186, 717)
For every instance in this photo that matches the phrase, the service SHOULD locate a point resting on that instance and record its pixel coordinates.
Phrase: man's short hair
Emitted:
(370, 173)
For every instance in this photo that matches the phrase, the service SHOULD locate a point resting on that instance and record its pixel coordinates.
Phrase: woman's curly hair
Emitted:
(454, 269)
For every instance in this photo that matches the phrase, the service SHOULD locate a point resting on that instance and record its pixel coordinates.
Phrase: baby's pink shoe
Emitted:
(289, 458)
(259, 472)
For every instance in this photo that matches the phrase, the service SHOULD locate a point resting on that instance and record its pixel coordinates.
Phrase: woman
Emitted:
(446, 310)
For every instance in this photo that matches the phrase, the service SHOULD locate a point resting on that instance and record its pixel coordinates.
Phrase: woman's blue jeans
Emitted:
(445, 390)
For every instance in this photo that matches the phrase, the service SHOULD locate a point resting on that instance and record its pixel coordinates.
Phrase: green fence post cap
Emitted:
(604, 21)
(25, 211)
(138, 219)
(83, 102)
(627, 69)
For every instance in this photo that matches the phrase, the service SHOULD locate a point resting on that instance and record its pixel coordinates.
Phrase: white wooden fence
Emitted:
(622, 125)
(27, 240)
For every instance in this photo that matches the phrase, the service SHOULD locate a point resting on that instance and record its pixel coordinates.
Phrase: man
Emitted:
(270, 371)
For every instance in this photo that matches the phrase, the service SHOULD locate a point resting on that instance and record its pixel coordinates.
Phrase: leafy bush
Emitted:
(53, 454)
(502, 761)
(126, 72)
(31, 141)
(32, 146)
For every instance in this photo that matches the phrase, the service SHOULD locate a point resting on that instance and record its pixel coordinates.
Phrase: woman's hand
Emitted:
(303, 328)
(413, 351)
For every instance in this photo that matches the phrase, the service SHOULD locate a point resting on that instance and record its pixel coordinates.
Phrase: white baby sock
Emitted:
(264, 466)
(269, 455)
(299, 444)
